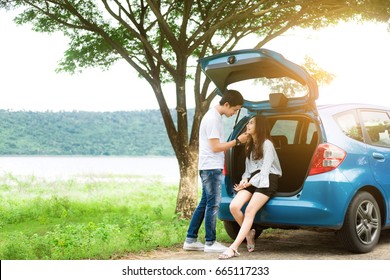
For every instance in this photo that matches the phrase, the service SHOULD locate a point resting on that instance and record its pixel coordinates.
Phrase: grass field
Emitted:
(89, 217)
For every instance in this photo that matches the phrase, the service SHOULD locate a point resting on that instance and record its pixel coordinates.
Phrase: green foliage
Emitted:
(87, 218)
(320, 75)
(156, 36)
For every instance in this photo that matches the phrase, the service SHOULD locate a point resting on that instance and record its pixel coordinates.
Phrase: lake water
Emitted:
(64, 166)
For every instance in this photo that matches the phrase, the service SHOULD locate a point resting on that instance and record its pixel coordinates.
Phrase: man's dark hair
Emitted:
(233, 97)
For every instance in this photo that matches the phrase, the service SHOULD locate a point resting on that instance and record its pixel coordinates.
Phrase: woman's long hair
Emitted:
(262, 132)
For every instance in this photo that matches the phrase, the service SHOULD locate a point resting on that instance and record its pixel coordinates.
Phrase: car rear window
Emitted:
(287, 128)
(257, 90)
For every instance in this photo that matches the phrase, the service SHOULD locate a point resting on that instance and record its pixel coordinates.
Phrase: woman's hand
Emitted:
(242, 185)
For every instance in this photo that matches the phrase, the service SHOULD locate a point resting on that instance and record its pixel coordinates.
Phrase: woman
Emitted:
(259, 183)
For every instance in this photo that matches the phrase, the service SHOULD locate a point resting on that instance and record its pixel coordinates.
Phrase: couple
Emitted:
(258, 184)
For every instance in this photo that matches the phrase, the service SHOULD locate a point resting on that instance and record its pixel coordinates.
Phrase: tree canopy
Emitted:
(163, 39)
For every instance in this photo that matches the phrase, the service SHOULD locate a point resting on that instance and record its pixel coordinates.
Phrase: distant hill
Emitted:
(83, 133)
(131, 133)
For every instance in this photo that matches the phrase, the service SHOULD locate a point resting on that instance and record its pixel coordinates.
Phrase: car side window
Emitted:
(349, 125)
(377, 126)
(311, 132)
(285, 128)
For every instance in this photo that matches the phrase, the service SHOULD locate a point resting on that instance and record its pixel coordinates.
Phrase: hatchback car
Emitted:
(335, 159)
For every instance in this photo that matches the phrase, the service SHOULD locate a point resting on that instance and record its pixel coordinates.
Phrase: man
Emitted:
(211, 163)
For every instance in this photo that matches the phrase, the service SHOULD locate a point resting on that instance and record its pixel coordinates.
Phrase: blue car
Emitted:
(335, 159)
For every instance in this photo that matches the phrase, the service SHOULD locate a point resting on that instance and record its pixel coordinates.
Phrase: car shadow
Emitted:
(311, 244)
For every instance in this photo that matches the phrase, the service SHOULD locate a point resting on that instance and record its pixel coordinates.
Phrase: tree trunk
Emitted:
(187, 198)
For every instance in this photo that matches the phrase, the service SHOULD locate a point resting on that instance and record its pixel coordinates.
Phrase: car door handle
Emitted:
(378, 157)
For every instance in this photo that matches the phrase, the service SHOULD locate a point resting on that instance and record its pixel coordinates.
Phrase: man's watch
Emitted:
(238, 142)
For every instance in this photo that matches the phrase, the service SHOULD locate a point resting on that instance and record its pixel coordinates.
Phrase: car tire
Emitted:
(232, 229)
(362, 224)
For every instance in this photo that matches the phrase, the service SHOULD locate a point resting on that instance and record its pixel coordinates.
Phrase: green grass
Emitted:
(90, 217)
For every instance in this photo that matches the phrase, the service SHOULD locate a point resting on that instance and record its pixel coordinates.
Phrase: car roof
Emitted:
(349, 106)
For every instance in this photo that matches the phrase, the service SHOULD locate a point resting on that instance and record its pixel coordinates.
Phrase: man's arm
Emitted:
(217, 146)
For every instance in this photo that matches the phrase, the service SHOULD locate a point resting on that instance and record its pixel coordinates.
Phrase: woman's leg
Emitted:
(237, 203)
(257, 201)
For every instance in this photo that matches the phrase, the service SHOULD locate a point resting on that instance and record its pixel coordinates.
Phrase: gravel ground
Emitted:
(282, 245)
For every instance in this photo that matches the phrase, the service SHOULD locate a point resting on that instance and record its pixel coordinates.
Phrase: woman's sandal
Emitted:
(228, 254)
(251, 247)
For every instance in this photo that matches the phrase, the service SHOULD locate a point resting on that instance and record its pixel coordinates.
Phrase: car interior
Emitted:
(295, 138)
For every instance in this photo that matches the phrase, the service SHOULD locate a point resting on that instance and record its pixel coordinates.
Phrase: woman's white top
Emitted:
(269, 164)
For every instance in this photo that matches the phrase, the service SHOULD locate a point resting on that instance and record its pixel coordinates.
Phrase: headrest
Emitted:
(279, 140)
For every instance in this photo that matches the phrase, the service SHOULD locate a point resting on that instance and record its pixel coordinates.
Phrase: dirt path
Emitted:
(282, 245)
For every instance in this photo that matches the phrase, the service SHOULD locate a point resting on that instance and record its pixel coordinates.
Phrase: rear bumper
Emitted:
(320, 203)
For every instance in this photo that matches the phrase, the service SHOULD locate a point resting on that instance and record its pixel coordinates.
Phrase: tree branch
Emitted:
(164, 26)
(141, 35)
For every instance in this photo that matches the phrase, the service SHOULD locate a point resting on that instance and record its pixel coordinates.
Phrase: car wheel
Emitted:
(232, 229)
(362, 224)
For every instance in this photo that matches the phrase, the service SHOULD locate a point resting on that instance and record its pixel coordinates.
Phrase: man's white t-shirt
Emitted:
(211, 127)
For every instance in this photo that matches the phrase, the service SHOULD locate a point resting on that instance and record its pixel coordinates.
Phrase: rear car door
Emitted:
(265, 78)
(270, 84)
(376, 130)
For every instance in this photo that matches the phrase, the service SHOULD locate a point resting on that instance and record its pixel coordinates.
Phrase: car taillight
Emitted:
(224, 171)
(326, 158)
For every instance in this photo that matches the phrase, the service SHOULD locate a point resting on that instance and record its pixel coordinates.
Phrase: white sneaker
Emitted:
(215, 248)
(194, 246)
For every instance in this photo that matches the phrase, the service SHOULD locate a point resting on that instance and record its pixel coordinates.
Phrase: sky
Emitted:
(358, 54)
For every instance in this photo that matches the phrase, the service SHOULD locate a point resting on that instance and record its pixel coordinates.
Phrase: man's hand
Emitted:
(243, 138)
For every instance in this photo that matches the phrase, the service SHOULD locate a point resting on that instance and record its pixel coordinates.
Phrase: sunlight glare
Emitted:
(358, 54)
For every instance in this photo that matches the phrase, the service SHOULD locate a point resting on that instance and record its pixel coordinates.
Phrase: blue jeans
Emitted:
(208, 206)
